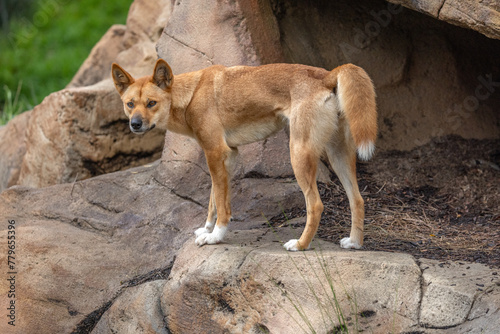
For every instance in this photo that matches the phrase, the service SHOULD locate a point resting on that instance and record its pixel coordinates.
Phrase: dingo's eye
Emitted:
(130, 104)
(151, 104)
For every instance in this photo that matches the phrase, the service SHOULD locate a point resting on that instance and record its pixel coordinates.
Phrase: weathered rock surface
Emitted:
(78, 244)
(146, 20)
(249, 284)
(465, 296)
(482, 16)
(198, 35)
(137, 310)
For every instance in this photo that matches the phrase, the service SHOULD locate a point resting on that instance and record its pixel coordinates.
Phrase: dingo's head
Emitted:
(145, 100)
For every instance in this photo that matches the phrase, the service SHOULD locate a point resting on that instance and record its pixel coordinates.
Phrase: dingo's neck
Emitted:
(182, 92)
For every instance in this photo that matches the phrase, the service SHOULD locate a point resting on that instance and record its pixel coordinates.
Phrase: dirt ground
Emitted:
(439, 201)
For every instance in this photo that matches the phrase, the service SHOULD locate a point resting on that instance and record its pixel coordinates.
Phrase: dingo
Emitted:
(327, 112)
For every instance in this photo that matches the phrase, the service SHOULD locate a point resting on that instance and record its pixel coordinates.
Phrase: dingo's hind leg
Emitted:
(342, 158)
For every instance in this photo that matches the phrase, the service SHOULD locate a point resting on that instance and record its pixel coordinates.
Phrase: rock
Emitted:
(133, 45)
(136, 310)
(251, 283)
(77, 133)
(97, 65)
(196, 34)
(454, 294)
(80, 244)
(482, 16)
(139, 59)
(146, 20)
(13, 148)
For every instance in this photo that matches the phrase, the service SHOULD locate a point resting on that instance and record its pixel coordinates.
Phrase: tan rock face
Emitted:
(198, 35)
(136, 310)
(81, 244)
(251, 285)
(146, 20)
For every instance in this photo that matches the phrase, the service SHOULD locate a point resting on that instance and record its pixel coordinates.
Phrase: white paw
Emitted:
(292, 245)
(211, 238)
(206, 229)
(347, 243)
(201, 230)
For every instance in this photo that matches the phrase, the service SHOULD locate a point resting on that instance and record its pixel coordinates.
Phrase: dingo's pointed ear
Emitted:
(162, 75)
(121, 78)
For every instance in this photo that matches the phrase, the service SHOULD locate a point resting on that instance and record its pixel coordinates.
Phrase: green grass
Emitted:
(45, 49)
(12, 105)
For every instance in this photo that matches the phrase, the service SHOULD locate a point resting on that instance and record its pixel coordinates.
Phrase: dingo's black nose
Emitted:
(136, 123)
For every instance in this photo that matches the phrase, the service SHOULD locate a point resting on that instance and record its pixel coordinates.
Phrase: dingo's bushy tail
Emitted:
(357, 100)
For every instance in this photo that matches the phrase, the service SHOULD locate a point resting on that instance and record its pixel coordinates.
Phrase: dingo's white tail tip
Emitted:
(366, 150)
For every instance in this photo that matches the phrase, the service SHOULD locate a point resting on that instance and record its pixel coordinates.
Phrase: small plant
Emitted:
(13, 105)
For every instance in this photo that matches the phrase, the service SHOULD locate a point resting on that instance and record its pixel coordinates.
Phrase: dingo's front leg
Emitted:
(212, 215)
(220, 162)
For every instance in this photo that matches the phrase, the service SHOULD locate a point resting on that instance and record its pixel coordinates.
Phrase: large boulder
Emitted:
(79, 244)
(250, 284)
(459, 294)
(198, 35)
